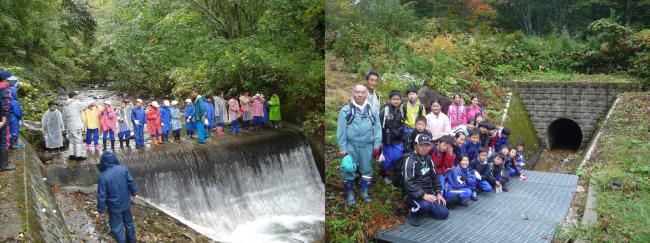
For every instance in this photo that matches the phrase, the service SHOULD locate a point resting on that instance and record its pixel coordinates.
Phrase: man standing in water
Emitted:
(74, 126)
(114, 187)
(359, 134)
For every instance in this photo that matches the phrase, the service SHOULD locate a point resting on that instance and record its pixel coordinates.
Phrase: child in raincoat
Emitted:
(108, 122)
(257, 104)
(461, 180)
(176, 121)
(154, 125)
(234, 114)
(124, 125)
(221, 112)
(274, 111)
(53, 127)
(90, 117)
(165, 121)
(189, 118)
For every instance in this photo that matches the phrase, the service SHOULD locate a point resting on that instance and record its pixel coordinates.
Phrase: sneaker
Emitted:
(474, 196)
(414, 219)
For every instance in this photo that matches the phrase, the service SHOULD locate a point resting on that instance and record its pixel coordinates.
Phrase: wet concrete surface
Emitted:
(9, 229)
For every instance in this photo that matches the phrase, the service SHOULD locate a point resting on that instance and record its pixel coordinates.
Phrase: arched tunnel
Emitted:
(564, 134)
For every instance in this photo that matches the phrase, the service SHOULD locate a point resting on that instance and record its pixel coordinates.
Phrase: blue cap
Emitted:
(5, 75)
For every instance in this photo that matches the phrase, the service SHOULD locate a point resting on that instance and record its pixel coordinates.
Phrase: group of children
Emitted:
(470, 154)
(159, 121)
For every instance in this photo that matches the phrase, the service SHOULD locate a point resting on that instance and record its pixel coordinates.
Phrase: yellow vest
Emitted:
(412, 112)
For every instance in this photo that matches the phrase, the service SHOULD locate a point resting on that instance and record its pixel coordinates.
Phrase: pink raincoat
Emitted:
(472, 111)
(457, 115)
(108, 119)
(258, 106)
(233, 109)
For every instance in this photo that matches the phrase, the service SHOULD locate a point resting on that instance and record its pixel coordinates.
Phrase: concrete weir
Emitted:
(41, 218)
(565, 115)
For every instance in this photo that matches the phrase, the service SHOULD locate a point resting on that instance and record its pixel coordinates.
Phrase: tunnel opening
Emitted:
(564, 134)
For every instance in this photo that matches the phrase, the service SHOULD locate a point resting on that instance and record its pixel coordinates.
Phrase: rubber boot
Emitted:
(96, 147)
(127, 143)
(86, 146)
(219, 131)
(104, 144)
(121, 143)
(112, 145)
(4, 161)
(365, 185)
(349, 189)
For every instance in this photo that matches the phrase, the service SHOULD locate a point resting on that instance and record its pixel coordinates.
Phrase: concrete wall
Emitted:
(41, 218)
(584, 103)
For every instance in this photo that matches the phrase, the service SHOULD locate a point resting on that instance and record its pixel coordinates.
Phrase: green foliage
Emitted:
(47, 39)
(168, 48)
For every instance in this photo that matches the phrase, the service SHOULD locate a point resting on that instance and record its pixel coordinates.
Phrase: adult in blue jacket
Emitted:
(358, 133)
(16, 112)
(189, 118)
(139, 121)
(200, 108)
(114, 188)
(166, 120)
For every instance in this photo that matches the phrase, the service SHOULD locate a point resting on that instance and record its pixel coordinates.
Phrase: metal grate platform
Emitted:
(544, 198)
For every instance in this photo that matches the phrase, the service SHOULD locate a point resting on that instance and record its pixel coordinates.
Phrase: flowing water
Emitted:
(265, 189)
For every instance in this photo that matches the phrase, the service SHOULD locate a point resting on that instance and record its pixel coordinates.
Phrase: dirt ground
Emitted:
(78, 206)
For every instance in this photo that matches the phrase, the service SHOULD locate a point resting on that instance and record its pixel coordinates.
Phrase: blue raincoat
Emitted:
(166, 119)
(114, 188)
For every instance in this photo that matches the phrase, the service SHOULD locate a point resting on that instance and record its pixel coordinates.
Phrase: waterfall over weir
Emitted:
(260, 189)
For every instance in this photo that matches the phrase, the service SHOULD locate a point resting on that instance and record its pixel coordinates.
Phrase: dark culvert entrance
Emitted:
(564, 134)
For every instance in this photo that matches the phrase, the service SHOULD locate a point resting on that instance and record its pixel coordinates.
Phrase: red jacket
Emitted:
(153, 121)
(442, 161)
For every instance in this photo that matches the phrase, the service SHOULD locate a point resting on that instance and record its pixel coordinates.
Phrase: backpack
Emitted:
(404, 104)
(350, 117)
(396, 171)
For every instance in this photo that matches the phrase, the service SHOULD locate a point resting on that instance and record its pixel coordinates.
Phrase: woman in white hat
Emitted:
(153, 123)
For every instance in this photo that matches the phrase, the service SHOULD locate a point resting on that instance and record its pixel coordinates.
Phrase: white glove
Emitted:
(478, 175)
(206, 122)
(137, 122)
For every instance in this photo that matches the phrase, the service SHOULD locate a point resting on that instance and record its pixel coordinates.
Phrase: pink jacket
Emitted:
(108, 119)
(233, 109)
(457, 115)
(258, 106)
(472, 111)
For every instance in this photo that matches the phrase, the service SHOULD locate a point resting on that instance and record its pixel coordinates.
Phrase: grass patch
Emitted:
(521, 127)
(563, 77)
(623, 154)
